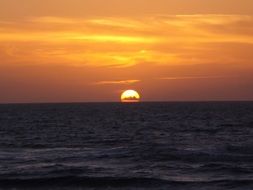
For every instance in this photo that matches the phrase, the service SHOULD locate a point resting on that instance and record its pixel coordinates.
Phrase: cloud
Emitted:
(125, 42)
(124, 82)
(55, 20)
(194, 77)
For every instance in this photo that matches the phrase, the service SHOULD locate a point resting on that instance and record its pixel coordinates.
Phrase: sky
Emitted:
(93, 50)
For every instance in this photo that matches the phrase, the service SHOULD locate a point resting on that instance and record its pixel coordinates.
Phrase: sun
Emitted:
(130, 96)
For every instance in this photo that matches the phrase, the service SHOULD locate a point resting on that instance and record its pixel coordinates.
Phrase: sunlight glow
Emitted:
(125, 42)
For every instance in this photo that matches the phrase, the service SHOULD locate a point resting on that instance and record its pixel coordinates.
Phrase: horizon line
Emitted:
(119, 102)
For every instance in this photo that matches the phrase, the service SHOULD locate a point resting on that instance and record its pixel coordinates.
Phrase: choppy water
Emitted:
(127, 146)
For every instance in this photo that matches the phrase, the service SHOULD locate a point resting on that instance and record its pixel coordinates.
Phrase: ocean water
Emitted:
(116, 146)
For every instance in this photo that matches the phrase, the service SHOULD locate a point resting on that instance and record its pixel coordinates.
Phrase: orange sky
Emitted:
(92, 50)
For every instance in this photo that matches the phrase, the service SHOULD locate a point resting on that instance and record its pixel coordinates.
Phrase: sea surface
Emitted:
(115, 146)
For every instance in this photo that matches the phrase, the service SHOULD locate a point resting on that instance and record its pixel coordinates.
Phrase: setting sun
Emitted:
(105, 94)
(130, 96)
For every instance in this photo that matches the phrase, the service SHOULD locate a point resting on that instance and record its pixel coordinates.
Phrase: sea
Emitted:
(122, 146)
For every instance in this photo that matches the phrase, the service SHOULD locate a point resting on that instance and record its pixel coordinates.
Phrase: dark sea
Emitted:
(115, 146)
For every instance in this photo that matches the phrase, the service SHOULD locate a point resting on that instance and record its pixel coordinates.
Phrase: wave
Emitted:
(73, 181)
(84, 181)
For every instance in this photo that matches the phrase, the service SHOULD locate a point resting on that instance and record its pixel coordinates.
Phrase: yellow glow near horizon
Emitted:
(67, 37)
(114, 38)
